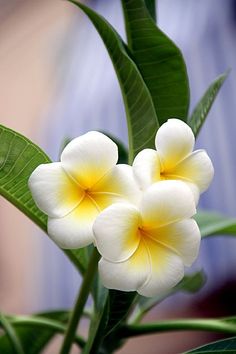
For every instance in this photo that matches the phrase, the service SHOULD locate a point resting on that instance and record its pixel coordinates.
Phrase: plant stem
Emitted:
(80, 303)
(210, 325)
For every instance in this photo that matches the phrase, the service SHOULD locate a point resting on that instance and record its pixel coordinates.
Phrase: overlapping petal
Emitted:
(75, 229)
(129, 275)
(182, 238)
(89, 157)
(116, 232)
(166, 270)
(174, 141)
(147, 167)
(166, 202)
(117, 185)
(53, 191)
(196, 168)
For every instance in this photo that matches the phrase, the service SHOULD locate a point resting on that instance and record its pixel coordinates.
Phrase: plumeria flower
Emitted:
(74, 191)
(145, 249)
(174, 158)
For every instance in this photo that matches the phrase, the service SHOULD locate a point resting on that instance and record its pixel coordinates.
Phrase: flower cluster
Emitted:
(138, 217)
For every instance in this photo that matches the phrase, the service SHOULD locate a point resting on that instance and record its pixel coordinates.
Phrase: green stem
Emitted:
(28, 321)
(210, 325)
(80, 303)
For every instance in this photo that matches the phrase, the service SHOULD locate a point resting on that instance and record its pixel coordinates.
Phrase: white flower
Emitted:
(74, 191)
(174, 159)
(146, 250)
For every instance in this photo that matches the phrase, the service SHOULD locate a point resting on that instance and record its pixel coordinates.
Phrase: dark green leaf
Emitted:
(11, 335)
(33, 339)
(141, 117)
(18, 158)
(219, 347)
(211, 224)
(151, 6)
(159, 60)
(204, 105)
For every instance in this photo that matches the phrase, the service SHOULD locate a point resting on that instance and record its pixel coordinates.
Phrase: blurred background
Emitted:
(57, 81)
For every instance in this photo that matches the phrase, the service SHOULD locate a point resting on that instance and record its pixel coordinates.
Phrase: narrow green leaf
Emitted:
(140, 112)
(18, 158)
(219, 347)
(201, 110)
(159, 60)
(12, 336)
(211, 224)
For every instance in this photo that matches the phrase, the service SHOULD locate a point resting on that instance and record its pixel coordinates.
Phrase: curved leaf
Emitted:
(159, 60)
(219, 347)
(200, 112)
(140, 112)
(13, 339)
(18, 158)
(211, 224)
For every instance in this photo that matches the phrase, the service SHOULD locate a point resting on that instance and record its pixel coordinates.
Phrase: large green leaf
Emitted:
(159, 60)
(211, 224)
(141, 117)
(18, 158)
(33, 339)
(203, 107)
(219, 347)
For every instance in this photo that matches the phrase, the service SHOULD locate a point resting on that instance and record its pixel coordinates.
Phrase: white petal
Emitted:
(182, 237)
(53, 191)
(116, 232)
(196, 168)
(88, 157)
(117, 185)
(174, 141)
(75, 229)
(146, 167)
(166, 202)
(128, 275)
(195, 190)
(166, 270)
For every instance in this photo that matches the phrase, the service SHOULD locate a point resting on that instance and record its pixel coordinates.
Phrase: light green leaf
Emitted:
(203, 107)
(18, 158)
(159, 60)
(219, 347)
(211, 224)
(140, 112)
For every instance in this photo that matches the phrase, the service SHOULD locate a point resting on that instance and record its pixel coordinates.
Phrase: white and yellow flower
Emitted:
(74, 191)
(174, 158)
(145, 249)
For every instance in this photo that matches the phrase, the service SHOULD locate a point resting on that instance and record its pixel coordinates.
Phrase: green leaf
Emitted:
(140, 112)
(211, 224)
(219, 347)
(18, 158)
(201, 110)
(151, 6)
(33, 339)
(191, 283)
(13, 339)
(159, 60)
